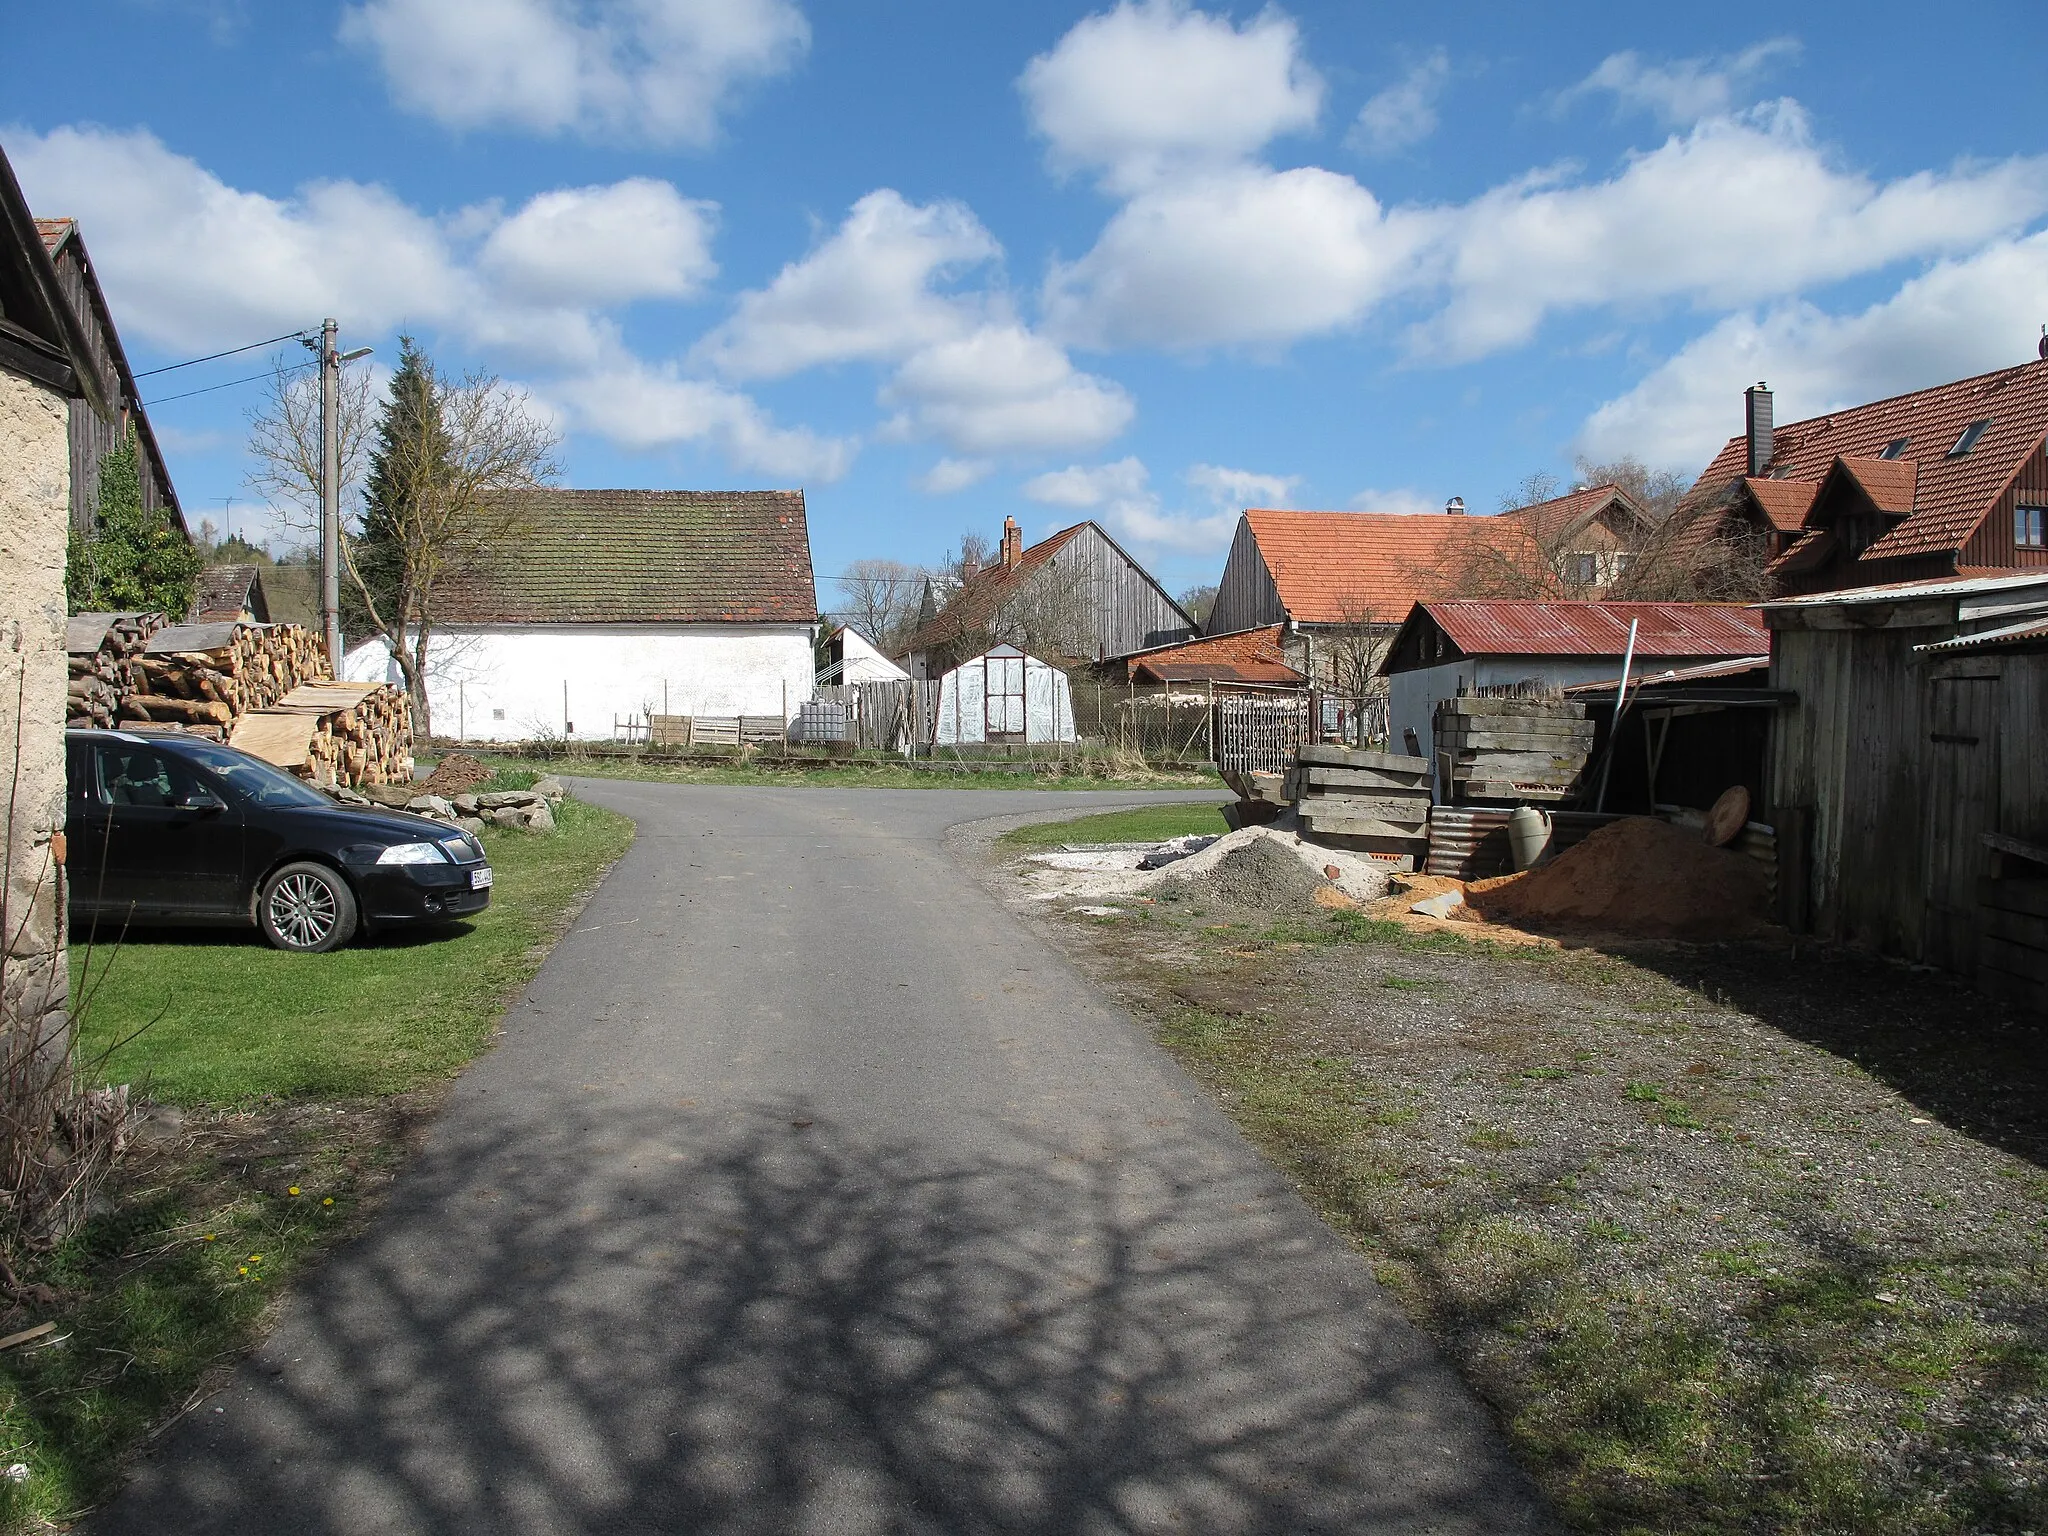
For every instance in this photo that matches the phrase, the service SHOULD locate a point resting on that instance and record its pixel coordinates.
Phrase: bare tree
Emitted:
(429, 509)
(969, 557)
(1352, 651)
(1050, 613)
(1656, 491)
(284, 442)
(1198, 603)
(880, 598)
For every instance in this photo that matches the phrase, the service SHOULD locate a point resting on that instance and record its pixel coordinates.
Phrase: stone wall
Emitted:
(34, 512)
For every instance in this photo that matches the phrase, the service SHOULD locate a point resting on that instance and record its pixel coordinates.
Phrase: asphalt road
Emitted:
(807, 1191)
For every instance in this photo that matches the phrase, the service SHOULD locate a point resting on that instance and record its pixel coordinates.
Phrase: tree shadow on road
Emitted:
(657, 1318)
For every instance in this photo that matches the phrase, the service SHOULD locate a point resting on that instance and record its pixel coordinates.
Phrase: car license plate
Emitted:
(480, 879)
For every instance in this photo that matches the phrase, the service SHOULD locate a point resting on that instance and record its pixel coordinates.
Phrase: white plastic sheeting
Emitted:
(1004, 696)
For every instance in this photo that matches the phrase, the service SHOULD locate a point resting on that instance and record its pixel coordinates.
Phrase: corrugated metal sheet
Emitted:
(1735, 666)
(2013, 634)
(1515, 627)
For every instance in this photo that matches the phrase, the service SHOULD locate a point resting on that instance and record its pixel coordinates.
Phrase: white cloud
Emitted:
(1237, 488)
(1961, 317)
(1122, 493)
(1246, 257)
(1151, 88)
(865, 294)
(1088, 485)
(1408, 502)
(950, 475)
(1684, 90)
(653, 70)
(1002, 389)
(1404, 114)
(643, 407)
(634, 239)
(1739, 210)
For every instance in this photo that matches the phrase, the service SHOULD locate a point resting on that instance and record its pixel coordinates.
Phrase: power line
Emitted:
(231, 383)
(231, 351)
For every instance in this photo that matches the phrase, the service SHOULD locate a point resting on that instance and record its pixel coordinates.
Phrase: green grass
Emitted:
(878, 773)
(1145, 824)
(300, 1073)
(227, 1020)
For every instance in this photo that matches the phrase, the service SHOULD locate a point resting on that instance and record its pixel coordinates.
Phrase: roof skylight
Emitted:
(1969, 438)
(1896, 448)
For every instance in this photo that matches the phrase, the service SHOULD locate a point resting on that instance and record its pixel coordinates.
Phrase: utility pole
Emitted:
(330, 495)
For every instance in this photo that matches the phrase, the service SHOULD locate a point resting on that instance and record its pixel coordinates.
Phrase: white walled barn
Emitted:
(1003, 697)
(851, 658)
(622, 603)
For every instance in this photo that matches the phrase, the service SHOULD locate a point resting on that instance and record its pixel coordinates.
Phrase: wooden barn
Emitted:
(95, 433)
(1908, 782)
(1073, 597)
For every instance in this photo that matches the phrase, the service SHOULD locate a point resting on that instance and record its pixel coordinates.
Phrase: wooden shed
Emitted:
(1909, 776)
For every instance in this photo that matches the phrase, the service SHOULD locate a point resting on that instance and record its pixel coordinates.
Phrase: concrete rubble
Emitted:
(1099, 874)
(530, 810)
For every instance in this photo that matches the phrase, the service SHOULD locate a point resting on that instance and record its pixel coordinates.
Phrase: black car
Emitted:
(176, 829)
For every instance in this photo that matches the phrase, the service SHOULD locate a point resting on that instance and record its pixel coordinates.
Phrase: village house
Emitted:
(1943, 482)
(1248, 661)
(618, 605)
(1073, 597)
(228, 594)
(59, 389)
(847, 658)
(94, 432)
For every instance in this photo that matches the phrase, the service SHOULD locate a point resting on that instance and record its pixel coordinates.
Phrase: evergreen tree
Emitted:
(135, 559)
(411, 443)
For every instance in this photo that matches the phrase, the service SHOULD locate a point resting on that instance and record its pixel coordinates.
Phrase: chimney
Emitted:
(1455, 507)
(1013, 542)
(1757, 412)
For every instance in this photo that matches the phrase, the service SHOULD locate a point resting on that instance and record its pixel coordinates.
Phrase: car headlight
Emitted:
(413, 853)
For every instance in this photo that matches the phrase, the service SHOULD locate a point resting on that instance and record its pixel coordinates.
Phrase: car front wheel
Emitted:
(308, 909)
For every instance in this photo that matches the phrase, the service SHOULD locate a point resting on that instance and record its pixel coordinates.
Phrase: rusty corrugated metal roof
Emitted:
(1516, 627)
(2032, 632)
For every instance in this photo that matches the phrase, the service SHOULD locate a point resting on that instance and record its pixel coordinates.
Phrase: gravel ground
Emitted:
(1733, 1238)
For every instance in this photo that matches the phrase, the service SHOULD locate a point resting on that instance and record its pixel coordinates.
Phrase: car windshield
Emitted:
(254, 779)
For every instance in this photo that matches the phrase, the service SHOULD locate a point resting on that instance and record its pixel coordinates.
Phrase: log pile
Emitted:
(206, 676)
(100, 647)
(334, 733)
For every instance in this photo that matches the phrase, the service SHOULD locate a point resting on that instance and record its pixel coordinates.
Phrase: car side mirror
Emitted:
(202, 800)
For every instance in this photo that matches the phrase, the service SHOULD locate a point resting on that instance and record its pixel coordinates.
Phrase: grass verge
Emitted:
(299, 1081)
(1144, 824)
(1711, 1278)
(891, 773)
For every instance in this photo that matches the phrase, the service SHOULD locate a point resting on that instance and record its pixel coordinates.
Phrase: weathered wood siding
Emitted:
(1993, 543)
(1246, 596)
(1131, 610)
(92, 437)
(1904, 762)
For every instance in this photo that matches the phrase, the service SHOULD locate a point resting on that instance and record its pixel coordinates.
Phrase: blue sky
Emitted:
(939, 263)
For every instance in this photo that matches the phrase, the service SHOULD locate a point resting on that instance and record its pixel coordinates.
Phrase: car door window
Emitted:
(131, 774)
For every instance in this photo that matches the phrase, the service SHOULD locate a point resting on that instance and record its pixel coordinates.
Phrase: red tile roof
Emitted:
(1246, 656)
(1495, 627)
(1552, 519)
(1889, 483)
(1951, 495)
(1785, 502)
(1372, 567)
(975, 604)
(55, 232)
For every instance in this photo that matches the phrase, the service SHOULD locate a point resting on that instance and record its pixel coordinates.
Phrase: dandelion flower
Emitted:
(255, 1258)
(293, 1190)
(241, 1269)
(209, 1237)
(328, 1201)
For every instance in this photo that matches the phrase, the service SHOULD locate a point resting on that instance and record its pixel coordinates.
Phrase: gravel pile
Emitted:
(456, 774)
(1256, 876)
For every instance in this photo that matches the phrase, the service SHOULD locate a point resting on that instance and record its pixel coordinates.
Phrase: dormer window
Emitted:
(1969, 438)
(1896, 448)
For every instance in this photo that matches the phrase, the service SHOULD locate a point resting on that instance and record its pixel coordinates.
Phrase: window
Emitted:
(1969, 438)
(1586, 570)
(1895, 448)
(2030, 527)
(137, 775)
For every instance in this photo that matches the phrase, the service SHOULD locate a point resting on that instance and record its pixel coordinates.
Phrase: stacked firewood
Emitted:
(362, 732)
(205, 676)
(100, 647)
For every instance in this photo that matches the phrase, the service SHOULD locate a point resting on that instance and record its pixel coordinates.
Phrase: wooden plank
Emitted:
(1998, 842)
(1578, 743)
(1362, 826)
(1518, 708)
(2014, 959)
(1459, 728)
(1517, 765)
(1486, 789)
(1352, 757)
(2028, 896)
(1378, 782)
(1409, 815)
(2021, 928)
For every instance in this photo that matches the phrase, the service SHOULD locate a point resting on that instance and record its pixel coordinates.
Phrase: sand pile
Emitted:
(1639, 877)
(456, 774)
(1256, 876)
